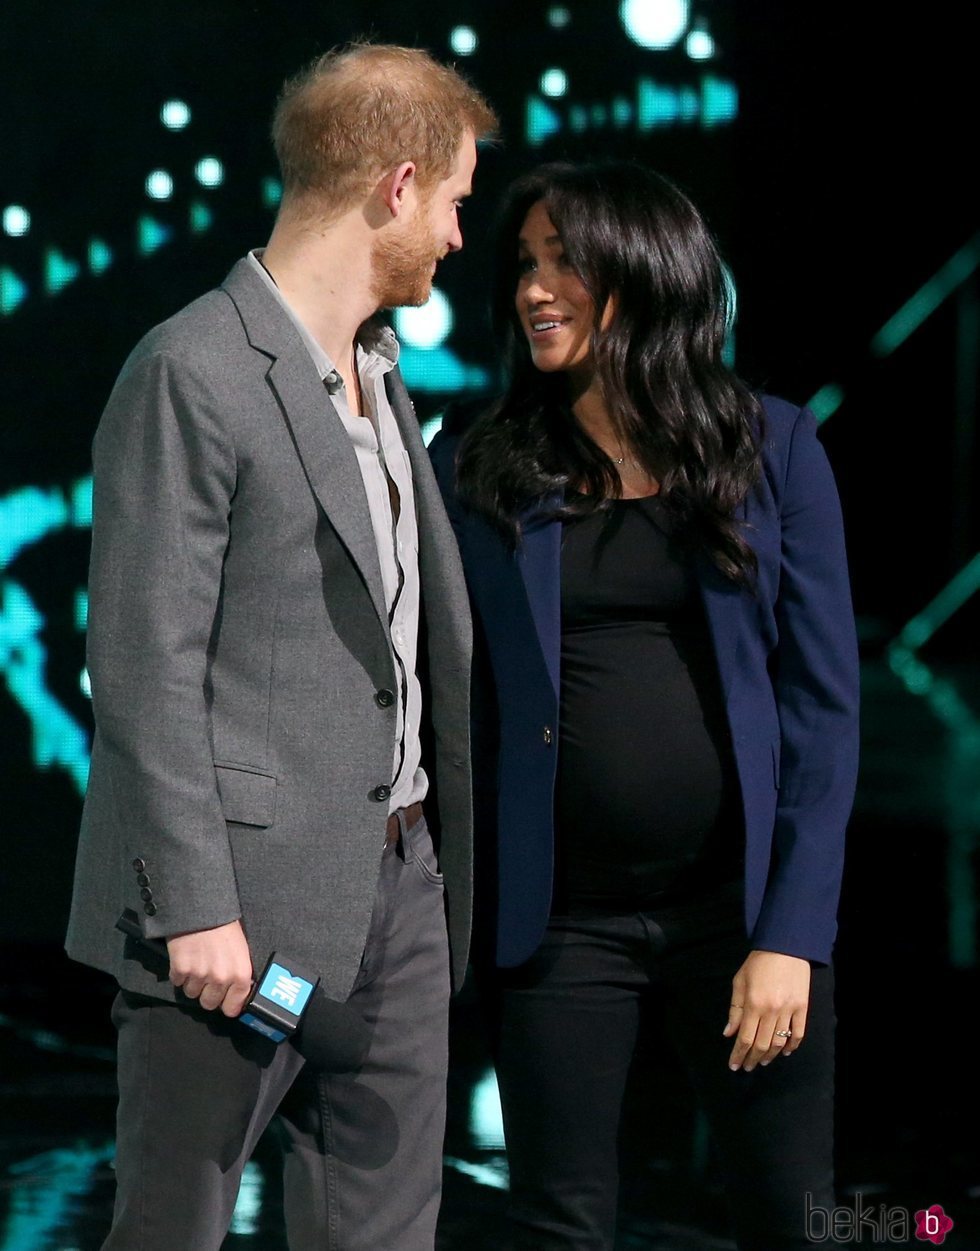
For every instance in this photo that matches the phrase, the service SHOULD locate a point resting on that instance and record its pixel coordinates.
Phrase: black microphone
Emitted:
(287, 1003)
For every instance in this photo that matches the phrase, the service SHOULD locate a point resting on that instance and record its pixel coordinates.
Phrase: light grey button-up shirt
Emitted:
(381, 454)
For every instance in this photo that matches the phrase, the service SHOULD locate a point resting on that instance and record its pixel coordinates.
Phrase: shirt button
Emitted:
(150, 909)
(143, 880)
(146, 894)
(547, 735)
(381, 793)
(384, 698)
(139, 865)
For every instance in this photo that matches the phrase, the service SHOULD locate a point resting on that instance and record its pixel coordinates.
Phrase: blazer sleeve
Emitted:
(164, 474)
(816, 685)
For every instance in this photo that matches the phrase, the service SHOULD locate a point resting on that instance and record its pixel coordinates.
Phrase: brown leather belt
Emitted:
(412, 815)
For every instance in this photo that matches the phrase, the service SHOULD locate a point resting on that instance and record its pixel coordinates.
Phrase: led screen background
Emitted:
(136, 168)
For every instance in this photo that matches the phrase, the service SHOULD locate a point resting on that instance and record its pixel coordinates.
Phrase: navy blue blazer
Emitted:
(788, 665)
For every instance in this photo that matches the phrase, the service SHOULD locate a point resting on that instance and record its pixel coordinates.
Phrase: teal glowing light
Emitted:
(28, 516)
(12, 290)
(209, 172)
(622, 111)
(80, 501)
(48, 1190)
(927, 299)
(175, 115)
(486, 1118)
(271, 192)
(463, 40)
(719, 101)
(826, 402)
(159, 185)
(151, 235)
(439, 369)
(655, 24)
(16, 220)
(428, 325)
(939, 610)
(554, 82)
(99, 256)
(558, 16)
(430, 428)
(494, 1173)
(248, 1206)
(657, 105)
(541, 121)
(81, 611)
(59, 271)
(699, 45)
(201, 218)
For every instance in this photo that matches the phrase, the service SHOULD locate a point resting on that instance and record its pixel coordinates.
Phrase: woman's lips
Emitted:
(546, 328)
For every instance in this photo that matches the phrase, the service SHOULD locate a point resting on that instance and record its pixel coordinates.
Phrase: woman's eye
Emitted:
(524, 265)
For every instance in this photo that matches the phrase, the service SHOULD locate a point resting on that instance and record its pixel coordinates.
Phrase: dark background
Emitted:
(838, 193)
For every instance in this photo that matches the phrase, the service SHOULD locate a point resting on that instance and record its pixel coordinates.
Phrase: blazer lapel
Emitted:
(539, 562)
(519, 593)
(722, 601)
(323, 444)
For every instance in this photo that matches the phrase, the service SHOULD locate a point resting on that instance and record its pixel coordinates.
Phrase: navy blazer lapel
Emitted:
(722, 599)
(539, 562)
(323, 445)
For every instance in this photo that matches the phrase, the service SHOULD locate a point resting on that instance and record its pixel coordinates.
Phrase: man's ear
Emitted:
(397, 187)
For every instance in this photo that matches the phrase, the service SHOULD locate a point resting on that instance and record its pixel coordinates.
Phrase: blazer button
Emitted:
(381, 793)
(547, 735)
(150, 909)
(143, 880)
(139, 865)
(146, 894)
(384, 698)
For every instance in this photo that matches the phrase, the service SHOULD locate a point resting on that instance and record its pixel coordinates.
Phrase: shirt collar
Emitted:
(376, 342)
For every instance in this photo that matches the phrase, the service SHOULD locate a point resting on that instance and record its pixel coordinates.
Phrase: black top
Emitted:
(646, 798)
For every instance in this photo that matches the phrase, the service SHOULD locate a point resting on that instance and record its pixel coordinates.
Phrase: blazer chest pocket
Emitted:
(247, 796)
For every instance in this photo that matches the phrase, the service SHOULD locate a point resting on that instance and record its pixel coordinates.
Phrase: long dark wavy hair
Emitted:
(635, 239)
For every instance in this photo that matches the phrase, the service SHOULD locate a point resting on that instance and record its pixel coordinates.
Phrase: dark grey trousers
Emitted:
(363, 1151)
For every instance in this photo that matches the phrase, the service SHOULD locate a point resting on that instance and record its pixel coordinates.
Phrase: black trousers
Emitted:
(566, 1025)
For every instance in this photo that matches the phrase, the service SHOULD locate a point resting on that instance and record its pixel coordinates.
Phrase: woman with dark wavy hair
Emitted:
(665, 711)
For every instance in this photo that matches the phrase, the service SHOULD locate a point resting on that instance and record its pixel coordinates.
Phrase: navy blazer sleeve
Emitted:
(814, 671)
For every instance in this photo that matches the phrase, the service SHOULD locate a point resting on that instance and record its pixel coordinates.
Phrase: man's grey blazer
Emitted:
(240, 657)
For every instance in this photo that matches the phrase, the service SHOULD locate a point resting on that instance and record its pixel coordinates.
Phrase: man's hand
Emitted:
(770, 996)
(213, 967)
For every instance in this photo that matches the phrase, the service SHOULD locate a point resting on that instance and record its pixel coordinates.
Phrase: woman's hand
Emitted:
(770, 994)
